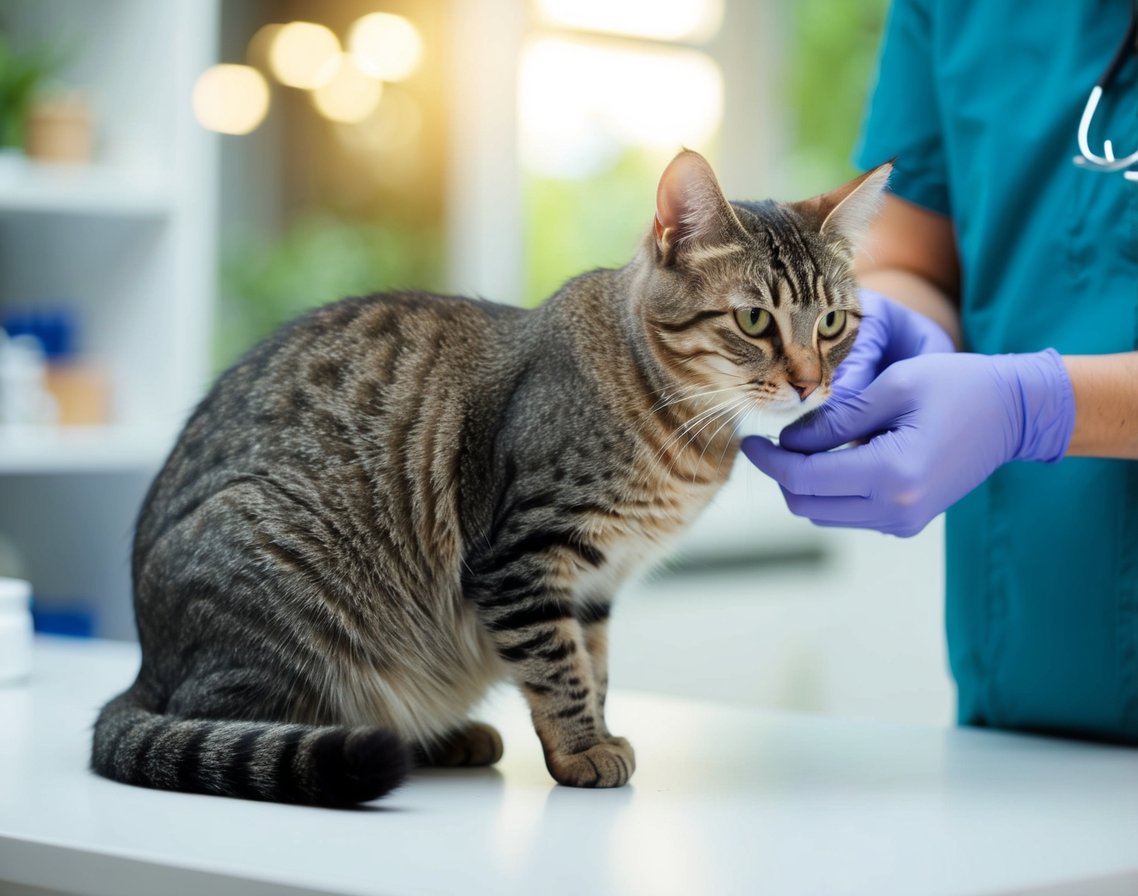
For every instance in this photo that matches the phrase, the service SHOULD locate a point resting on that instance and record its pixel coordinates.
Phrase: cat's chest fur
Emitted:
(627, 529)
(648, 527)
(672, 481)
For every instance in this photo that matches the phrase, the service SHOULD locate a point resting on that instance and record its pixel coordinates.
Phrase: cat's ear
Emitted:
(845, 214)
(691, 210)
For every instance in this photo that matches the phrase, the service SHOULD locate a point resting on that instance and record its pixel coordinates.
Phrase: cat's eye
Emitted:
(753, 321)
(831, 324)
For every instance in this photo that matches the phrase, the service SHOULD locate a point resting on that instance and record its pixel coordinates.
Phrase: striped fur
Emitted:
(328, 766)
(398, 500)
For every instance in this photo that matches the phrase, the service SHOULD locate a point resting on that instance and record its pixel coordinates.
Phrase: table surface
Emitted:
(724, 800)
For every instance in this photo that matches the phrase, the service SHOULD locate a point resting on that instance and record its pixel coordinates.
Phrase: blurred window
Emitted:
(608, 91)
(828, 74)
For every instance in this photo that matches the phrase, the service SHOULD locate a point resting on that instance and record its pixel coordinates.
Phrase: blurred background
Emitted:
(178, 178)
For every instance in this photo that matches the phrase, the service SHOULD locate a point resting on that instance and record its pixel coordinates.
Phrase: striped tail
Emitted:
(317, 766)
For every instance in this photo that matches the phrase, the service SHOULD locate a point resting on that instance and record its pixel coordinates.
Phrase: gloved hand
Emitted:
(888, 332)
(938, 425)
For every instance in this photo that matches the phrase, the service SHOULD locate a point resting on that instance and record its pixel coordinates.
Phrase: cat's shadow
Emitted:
(488, 775)
(484, 785)
(571, 799)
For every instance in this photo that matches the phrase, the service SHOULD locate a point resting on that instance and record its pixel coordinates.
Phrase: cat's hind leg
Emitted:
(472, 745)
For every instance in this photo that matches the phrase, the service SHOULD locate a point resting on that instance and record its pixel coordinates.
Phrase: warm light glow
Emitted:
(303, 54)
(672, 20)
(385, 46)
(395, 127)
(350, 95)
(616, 97)
(230, 99)
(257, 51)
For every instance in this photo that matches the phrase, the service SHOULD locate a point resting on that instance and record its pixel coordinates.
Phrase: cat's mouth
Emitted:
(773, 414)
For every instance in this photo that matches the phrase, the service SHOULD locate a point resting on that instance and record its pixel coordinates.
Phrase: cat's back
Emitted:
(332, 401)
(350, 353)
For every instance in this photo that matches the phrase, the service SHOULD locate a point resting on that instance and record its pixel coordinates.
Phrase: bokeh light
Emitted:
(350, 95)
(304, 54)
(385, 46)
(230, 99)
(394, 128)
(258, 50)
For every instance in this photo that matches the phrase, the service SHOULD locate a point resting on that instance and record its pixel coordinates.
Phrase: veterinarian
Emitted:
(1011, 234)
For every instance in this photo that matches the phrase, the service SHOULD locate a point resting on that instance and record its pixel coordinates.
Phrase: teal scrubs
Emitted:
(979, 105)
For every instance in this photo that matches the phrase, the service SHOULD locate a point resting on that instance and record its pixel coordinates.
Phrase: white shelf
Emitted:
(82, 449)
(98, 190)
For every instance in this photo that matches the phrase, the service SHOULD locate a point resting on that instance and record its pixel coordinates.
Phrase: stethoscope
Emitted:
(1107, 162)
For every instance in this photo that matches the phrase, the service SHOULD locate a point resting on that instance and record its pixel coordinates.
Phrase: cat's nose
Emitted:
(804, 387)
(804, 374)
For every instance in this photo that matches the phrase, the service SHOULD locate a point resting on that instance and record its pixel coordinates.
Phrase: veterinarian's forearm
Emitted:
(910, 256)
(917, 293)
(1105, 386)
(1106, 405)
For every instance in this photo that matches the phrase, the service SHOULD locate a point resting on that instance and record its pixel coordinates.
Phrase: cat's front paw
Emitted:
(607, 764)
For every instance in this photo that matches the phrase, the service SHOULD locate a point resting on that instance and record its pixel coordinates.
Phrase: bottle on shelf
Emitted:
(24, 398)
(77, 387)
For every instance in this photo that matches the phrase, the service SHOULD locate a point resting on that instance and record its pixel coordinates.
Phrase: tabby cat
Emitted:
(398, 500)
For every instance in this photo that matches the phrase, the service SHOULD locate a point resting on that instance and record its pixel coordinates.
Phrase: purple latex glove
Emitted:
(889, 332)
(938, 425)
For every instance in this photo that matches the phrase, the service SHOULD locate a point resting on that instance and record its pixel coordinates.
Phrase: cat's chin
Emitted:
(770, 419)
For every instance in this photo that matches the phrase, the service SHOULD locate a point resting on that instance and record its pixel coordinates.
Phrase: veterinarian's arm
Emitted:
(1106, 405)
(910, 256)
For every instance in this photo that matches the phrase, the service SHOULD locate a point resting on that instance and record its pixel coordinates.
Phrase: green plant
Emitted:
(576, 225)
(319, 259)
(22, 75)
(828, 76)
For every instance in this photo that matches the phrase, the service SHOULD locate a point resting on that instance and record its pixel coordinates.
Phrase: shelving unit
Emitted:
(128, 245)
(117, 448)
(95, 190)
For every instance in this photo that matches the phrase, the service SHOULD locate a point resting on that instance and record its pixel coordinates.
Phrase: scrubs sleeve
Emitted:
(902, 121)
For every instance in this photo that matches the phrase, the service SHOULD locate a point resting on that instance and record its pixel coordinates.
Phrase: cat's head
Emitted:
(751, 306)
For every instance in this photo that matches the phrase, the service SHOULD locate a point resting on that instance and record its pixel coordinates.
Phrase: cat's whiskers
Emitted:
(731, 416)
(701, 420)
(670, 398)
(692, 440)
(661, 391)
(707, 413)
(692, 394)
(667, 404)
(728, 412)
(735, 419)
(682, 430)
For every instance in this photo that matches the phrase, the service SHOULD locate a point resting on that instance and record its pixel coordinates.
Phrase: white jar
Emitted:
(15, 630)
